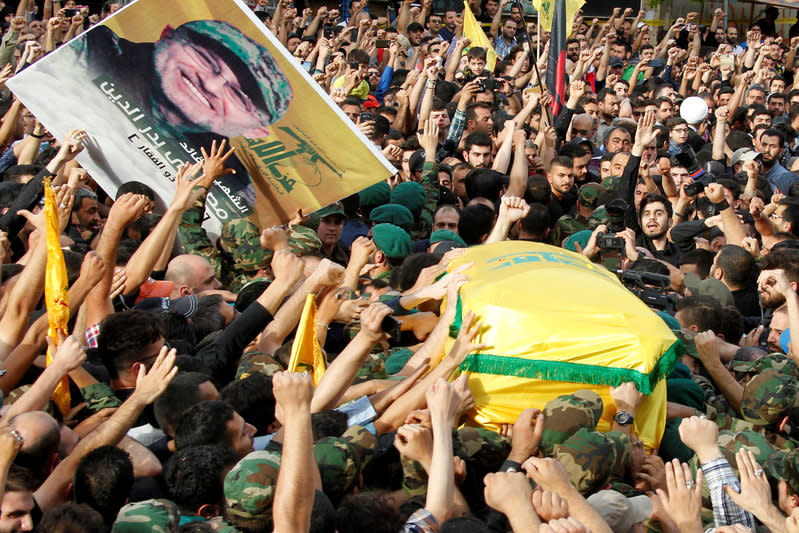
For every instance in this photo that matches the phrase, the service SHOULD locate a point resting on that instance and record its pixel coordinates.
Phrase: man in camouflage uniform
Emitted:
(342, 460)
(587, 202)
(250, 490)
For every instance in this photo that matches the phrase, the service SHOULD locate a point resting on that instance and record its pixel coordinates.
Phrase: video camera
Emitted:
(608, 241)
(650, 288)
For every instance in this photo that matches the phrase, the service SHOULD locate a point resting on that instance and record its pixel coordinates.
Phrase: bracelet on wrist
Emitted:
(722, 205)
(37, 136)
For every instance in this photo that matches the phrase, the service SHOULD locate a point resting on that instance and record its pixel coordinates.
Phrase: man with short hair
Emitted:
(655, 220)
(561, 183)
(17, 503)
(446, 217)
(772, 142)
(477, 150)
(506, 39)
(478, 118)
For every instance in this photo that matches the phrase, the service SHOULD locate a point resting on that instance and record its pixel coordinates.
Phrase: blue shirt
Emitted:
(780, 178)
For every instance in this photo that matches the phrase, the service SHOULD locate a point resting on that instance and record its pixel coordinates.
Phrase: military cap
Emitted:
(396, 214)
(446, 235)
(774, 361)
(336, 208)
(250, 485)
(240, 239)
(566, 414)
(159, 516)
(377, 194)
(411, 195)
(342, 459)
(588, 457)
(767, 397)
(589, 194)
(392, 240)
(709, 287)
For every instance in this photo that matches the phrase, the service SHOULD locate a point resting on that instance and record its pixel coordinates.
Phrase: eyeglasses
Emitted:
(680, 130)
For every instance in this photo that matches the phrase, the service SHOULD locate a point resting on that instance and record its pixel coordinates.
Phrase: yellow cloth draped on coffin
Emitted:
(557, 323)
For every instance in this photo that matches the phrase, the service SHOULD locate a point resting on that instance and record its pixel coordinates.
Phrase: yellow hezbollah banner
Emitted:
(474, 32)
(306, 354)
(546, 13)
(56, 295)
(157, 81)
(557, 323)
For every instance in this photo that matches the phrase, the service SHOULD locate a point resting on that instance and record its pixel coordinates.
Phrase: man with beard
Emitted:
(772, 142)
(655, 219)
(85, 221)
(561, 183)
(608, 107)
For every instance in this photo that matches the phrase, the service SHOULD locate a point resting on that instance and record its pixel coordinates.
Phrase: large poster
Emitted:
(158, 80)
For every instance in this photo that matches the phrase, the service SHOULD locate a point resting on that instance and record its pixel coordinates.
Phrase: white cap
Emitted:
(693, 109)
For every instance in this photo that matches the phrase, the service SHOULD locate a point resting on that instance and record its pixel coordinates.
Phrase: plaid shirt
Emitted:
(456, 126)
(421, 521)
(719, 474)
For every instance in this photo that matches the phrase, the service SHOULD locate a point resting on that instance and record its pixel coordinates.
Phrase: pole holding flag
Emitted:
(306, 354)
(56, 293)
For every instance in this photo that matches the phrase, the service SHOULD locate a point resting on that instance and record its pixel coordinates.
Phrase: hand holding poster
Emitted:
(157, 81)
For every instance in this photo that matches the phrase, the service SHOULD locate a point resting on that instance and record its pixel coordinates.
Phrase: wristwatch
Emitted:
(623, 418)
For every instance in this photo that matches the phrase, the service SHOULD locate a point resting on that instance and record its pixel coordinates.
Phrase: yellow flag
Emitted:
(474, 32)
(546, 13)
(55, 291)
(306, 354)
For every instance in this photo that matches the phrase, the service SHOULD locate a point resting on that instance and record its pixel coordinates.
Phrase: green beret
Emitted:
(377, 194)
(392, 240)
(581, 237)
(411, 195)
(393, 214)
(447, 235)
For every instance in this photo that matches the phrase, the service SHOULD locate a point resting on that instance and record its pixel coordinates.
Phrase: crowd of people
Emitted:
(671, 160)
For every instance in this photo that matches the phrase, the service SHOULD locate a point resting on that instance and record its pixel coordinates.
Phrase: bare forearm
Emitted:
(141, 263)
(441, 482)
(294, 494)
(24, 296)
(339, 375)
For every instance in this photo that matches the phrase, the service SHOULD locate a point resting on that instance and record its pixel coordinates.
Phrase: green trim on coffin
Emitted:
(574, 372)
